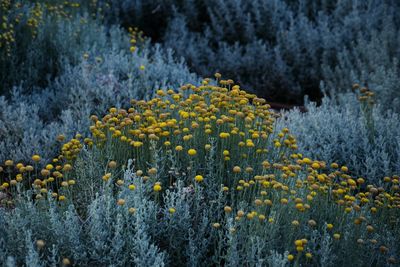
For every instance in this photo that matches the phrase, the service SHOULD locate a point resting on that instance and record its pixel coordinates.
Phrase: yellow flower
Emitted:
(121, 202)
(112, 164)
(152, 171)
(132, 210)
(216, 225)
(224, 135)
(198, 178)
(315, 165)
(36, 158)
(172, 210)
(236, 169)
(312, 223)
(298, 243)
(227, 209)
(192, 152)
(106, 177)
(40, 243)
(66, 262)
(258, 202)
(336, 236)
(157, 187)
(290, 257)
(131, 187)
(67, 167)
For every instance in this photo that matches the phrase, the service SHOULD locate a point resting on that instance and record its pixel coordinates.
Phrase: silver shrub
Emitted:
(29, 123)
(106, 235)
(282, 49)
(337, 131)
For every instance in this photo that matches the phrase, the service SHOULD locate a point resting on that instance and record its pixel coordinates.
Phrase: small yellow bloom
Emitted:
(236, 169)
(227, 209)
(132, 210)
(192, 152)
(224, 135)
(157, 187)
(40, 243)
(152, 171)
(216, 225)
(295, 223)
(315, 165)
(66, 262)
(172, 210)
(198, 178)
(112, 164)
(121, 202)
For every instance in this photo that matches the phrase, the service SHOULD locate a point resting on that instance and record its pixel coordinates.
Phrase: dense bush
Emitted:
(343, 131)
(207, 174)
(281, 49)
(212, 182)
(104, 72)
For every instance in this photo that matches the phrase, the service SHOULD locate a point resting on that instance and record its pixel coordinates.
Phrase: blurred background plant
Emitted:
(280, 49)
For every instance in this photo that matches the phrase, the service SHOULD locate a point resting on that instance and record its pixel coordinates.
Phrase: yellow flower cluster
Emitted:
(136, 38)
(251, 162)
(16, 15)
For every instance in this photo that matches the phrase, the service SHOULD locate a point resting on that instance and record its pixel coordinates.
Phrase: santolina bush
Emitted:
(281, 49)
(109, 67)
(350, 131)
(206, 174)
(195, 176)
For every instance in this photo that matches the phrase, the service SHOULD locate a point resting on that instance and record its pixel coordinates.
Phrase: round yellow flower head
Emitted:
(172, 210)
(157, 187)
(36, 158)
(198, 178)
(192, 152)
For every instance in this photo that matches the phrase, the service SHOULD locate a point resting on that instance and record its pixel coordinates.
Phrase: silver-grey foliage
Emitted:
(339, 132)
